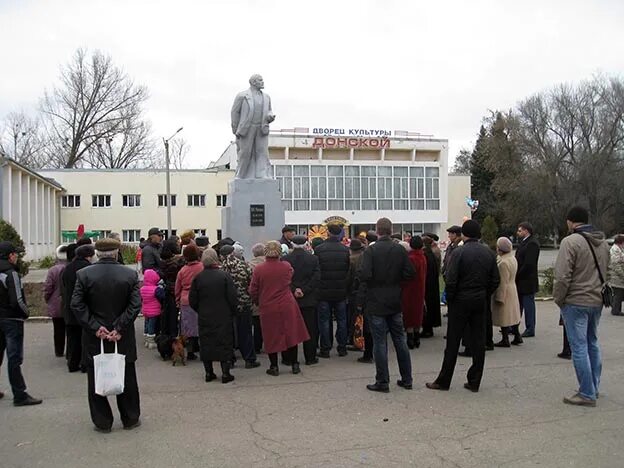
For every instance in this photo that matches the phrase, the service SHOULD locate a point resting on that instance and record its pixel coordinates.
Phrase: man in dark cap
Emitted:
(334, 262)
(371, 236)
(106, 302)
(202, 242)
(150, 258)
(13, 313)
(304, 284)
(83, 256)
(357, 249)
(454, 237)
(472, 276)
(288, 232)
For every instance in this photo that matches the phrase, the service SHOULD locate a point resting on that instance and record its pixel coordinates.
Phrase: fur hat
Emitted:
(106, 245)
(85, 251)
(61, 252)
(471, 229)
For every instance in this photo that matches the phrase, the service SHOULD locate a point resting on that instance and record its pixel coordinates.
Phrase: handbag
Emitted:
(110, 372)
(607, 292)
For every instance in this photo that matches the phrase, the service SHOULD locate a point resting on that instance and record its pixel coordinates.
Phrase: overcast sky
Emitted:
(431, 67)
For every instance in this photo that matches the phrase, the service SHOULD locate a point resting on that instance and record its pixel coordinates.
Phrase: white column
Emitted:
(383, 154)
(413, 154)
(351, 154)
(28, 221)
(18, 215)
(8, 194)
(286, 153)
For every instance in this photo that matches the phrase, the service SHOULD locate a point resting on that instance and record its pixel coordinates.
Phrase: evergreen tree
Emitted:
(8, 233)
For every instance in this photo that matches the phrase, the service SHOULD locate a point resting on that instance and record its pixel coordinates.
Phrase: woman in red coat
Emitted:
(413, 293)
(283, 327)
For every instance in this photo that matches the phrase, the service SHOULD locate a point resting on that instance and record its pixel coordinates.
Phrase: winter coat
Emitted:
(184, 280)
(527, 256)
(384, 267)
(306, 276)
(280, 318)
(253, 263)
(52, 290)
(413, 291)
(12, 299)
(576, 277)
(169, 270)
(150, 257)
(433, 314)
(505, 303)
(447, 255)
(151, 304)
(473, 273)
(334, 263)
(107, 295)
(241, 274)
(616, 266)
(213, 296)
(68, 280)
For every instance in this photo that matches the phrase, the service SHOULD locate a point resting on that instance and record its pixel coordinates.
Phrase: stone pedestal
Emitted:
(253, 212)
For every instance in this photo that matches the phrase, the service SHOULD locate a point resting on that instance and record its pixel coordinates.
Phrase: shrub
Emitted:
(489, 232)
(128, 253)
(8, 233)
(549, 281)
(47, 262)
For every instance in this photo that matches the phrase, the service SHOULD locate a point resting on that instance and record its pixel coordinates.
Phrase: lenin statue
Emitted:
(251, 116)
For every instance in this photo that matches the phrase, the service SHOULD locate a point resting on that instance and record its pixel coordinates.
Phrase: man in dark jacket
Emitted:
(150, 258)
(13, 313)
(384, 266)
(288, 232)
(304, 284)
(106, 302)
(334, 262)
(472, 276)
(527, 281)
(82, 258)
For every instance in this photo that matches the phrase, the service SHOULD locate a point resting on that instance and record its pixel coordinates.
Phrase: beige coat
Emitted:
(505, 304)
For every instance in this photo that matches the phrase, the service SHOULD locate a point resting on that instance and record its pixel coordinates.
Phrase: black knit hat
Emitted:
(356, 244)
(85, 251)
(299, 240)
(471, 229)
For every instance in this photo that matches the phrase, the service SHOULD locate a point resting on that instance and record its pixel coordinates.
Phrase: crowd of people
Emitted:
(297, 290)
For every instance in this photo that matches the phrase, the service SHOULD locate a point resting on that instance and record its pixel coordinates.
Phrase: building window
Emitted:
(219, 235)
(131, 200)
(199, 232)
(104, 233)
(162, 200)
(131, 235)
(196, 200)
(70, 201)
(221, 200)
(100, 201)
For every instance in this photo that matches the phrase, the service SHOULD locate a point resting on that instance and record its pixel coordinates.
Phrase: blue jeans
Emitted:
(13, 331)
(149, 328)
(245, 336)
(380, 325)
(527, 304)
(581, 324)
(325, 309)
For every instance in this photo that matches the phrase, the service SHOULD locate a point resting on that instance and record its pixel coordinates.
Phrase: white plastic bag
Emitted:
(110, 372)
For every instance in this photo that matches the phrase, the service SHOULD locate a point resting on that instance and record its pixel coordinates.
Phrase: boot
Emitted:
(210, 375)
(410, 340)
(225, 370)
(565, 352)
(517, 336)
(416, 340)
(504, 342)
(151, 342)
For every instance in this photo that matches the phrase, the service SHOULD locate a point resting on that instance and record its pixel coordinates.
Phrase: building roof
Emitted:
(5, 161)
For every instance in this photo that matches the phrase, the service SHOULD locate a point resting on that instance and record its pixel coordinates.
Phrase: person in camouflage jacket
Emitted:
(241, 273)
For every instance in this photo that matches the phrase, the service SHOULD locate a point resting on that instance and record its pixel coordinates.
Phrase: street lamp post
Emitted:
(169, 180)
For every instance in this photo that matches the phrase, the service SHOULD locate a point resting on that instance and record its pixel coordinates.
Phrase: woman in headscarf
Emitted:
(283, 327)
(505, 304)
(213, 297)
(433, 315)
(170, 265)
(188, 317)
(413, 293)
(52, 295)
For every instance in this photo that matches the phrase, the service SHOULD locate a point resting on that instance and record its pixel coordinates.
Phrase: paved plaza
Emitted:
(325, 417)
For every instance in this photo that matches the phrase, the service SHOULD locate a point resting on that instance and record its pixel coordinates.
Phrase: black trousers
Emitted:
(489, 327)
(127, 403)
(463, 313)
(225, 367)
(74, 347)
(290, 355)
(58, 324)
(257, 333)
(368, 338)
(169, 317)
(310, 317)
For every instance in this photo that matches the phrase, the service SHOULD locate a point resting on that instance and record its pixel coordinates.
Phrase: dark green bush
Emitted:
(8, 233)
(47, 262)
(128, 253)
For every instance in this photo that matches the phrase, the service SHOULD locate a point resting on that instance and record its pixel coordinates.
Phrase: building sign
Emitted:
(256, 215)
(336, 220)
(351, 132)
(333, 142)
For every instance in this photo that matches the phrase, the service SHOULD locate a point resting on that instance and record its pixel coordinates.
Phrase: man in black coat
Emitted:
(472, 276)
(384, 266)
(527, 281)
(106, 302)
(288, 233)
(150, 254)
(334, 260)
(304, 284)
(82, 257)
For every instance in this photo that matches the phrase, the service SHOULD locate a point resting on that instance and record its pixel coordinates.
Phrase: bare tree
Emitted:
(94, 103)
(22, 140)
(178, 153)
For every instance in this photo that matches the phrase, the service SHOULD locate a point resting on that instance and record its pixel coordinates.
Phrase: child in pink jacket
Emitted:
(150, 292)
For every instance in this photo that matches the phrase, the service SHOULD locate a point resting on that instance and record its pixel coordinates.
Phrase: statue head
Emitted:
(256, 81)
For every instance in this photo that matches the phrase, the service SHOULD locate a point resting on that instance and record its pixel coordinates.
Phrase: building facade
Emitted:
(361, 175)
(30, 203)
